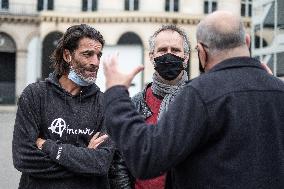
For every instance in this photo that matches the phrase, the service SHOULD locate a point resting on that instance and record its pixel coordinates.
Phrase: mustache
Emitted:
(90, 68)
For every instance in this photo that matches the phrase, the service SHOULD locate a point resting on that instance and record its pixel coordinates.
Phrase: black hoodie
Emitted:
(67, 123)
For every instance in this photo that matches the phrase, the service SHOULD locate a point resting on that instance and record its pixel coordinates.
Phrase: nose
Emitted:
(95, 60)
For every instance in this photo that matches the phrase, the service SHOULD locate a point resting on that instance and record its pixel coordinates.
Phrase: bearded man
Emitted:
(57, 141)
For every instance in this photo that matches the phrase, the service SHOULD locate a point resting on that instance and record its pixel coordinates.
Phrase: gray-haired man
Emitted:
(225, 128)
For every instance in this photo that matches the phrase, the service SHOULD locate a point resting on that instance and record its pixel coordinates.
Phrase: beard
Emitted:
(87, 73)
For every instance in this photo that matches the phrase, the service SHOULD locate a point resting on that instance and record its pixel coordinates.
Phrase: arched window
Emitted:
(129, 38)
(131, 47)
(48, 46)
(7, 69)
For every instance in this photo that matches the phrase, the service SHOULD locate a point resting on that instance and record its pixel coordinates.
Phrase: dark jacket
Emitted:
(68, 123)
(119, 175)
(139, 101)
(225, 130)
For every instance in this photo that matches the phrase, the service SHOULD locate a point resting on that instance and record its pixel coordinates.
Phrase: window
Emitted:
(246, 7)
(172, 6)
(210, 6)
(131, 5)
(4, 4)
(129, 38)
(89, 5)
(44, 5)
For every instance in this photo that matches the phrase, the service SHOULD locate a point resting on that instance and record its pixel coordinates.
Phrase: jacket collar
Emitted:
(235, 63)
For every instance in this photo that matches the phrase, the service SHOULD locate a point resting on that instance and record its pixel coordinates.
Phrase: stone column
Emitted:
(21, 61)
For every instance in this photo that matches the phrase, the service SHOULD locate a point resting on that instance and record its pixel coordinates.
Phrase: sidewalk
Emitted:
(9, 176)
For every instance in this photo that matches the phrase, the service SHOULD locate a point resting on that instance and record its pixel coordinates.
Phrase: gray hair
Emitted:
(186, 44)
(218, 39)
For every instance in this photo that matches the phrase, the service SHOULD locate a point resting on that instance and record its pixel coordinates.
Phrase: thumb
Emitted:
(136, 70)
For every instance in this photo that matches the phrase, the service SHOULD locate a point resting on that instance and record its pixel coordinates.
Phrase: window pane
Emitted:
(50, 5)
(243, 10)
(250, 7)
(214, 6)
(84, 5)
(126, 4)
(5, 4)
(94, 5)
(206, 11)
(39, 5)
(136, 4)
(176, 7)
(167, 5)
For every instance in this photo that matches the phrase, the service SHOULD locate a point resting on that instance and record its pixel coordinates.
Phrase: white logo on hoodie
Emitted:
(58, 126)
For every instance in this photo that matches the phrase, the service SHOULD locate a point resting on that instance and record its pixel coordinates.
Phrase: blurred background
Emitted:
(30, 30)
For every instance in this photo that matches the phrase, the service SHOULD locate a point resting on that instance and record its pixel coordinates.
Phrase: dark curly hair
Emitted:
(69, 41)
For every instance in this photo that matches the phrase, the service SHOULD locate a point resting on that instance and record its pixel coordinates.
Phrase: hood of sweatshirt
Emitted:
(86, 91)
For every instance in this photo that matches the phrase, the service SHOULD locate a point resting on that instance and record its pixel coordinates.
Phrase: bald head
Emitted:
(221, 30)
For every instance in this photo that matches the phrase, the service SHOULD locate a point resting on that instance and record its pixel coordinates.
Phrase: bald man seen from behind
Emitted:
(224, 130)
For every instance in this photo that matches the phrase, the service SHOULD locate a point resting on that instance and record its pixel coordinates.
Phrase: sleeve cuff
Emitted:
(49, 147)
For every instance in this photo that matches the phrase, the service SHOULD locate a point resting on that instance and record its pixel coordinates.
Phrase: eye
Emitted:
(99, 55)
(176, 50)
(162, 50)
(88, 54)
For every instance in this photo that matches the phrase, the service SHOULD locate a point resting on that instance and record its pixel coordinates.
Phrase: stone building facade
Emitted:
(29, 31)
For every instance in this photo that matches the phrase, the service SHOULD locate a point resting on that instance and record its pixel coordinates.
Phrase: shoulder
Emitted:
(32, 94)
(35, 88)
(138, 97)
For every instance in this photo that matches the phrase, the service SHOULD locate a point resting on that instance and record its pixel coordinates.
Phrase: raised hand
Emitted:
(114, 76)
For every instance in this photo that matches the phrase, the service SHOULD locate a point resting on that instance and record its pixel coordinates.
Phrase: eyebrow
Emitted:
(87, 51)
(93, 52)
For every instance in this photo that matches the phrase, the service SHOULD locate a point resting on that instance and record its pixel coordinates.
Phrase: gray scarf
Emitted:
(168, 92)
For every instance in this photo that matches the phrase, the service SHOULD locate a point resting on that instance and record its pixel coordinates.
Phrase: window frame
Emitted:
(247, 5)
(4, 5)
(212, 5)
(172, 5)
(91, 5)
(43, 5)
(131, 5)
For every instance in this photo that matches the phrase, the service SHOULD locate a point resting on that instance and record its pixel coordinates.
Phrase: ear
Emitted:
(248, 40)
(202, 54)
(186, 57)
(67, 56)
(151, 55)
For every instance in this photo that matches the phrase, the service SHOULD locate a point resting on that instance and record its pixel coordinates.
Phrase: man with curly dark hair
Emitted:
(58, 137)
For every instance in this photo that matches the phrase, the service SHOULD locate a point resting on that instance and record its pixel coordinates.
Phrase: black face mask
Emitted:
(169, 66)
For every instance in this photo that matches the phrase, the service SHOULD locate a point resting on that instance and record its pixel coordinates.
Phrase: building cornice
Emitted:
(15, 19)
(105, 17)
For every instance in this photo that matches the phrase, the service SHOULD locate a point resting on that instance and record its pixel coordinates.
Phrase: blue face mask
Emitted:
(73, 76)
